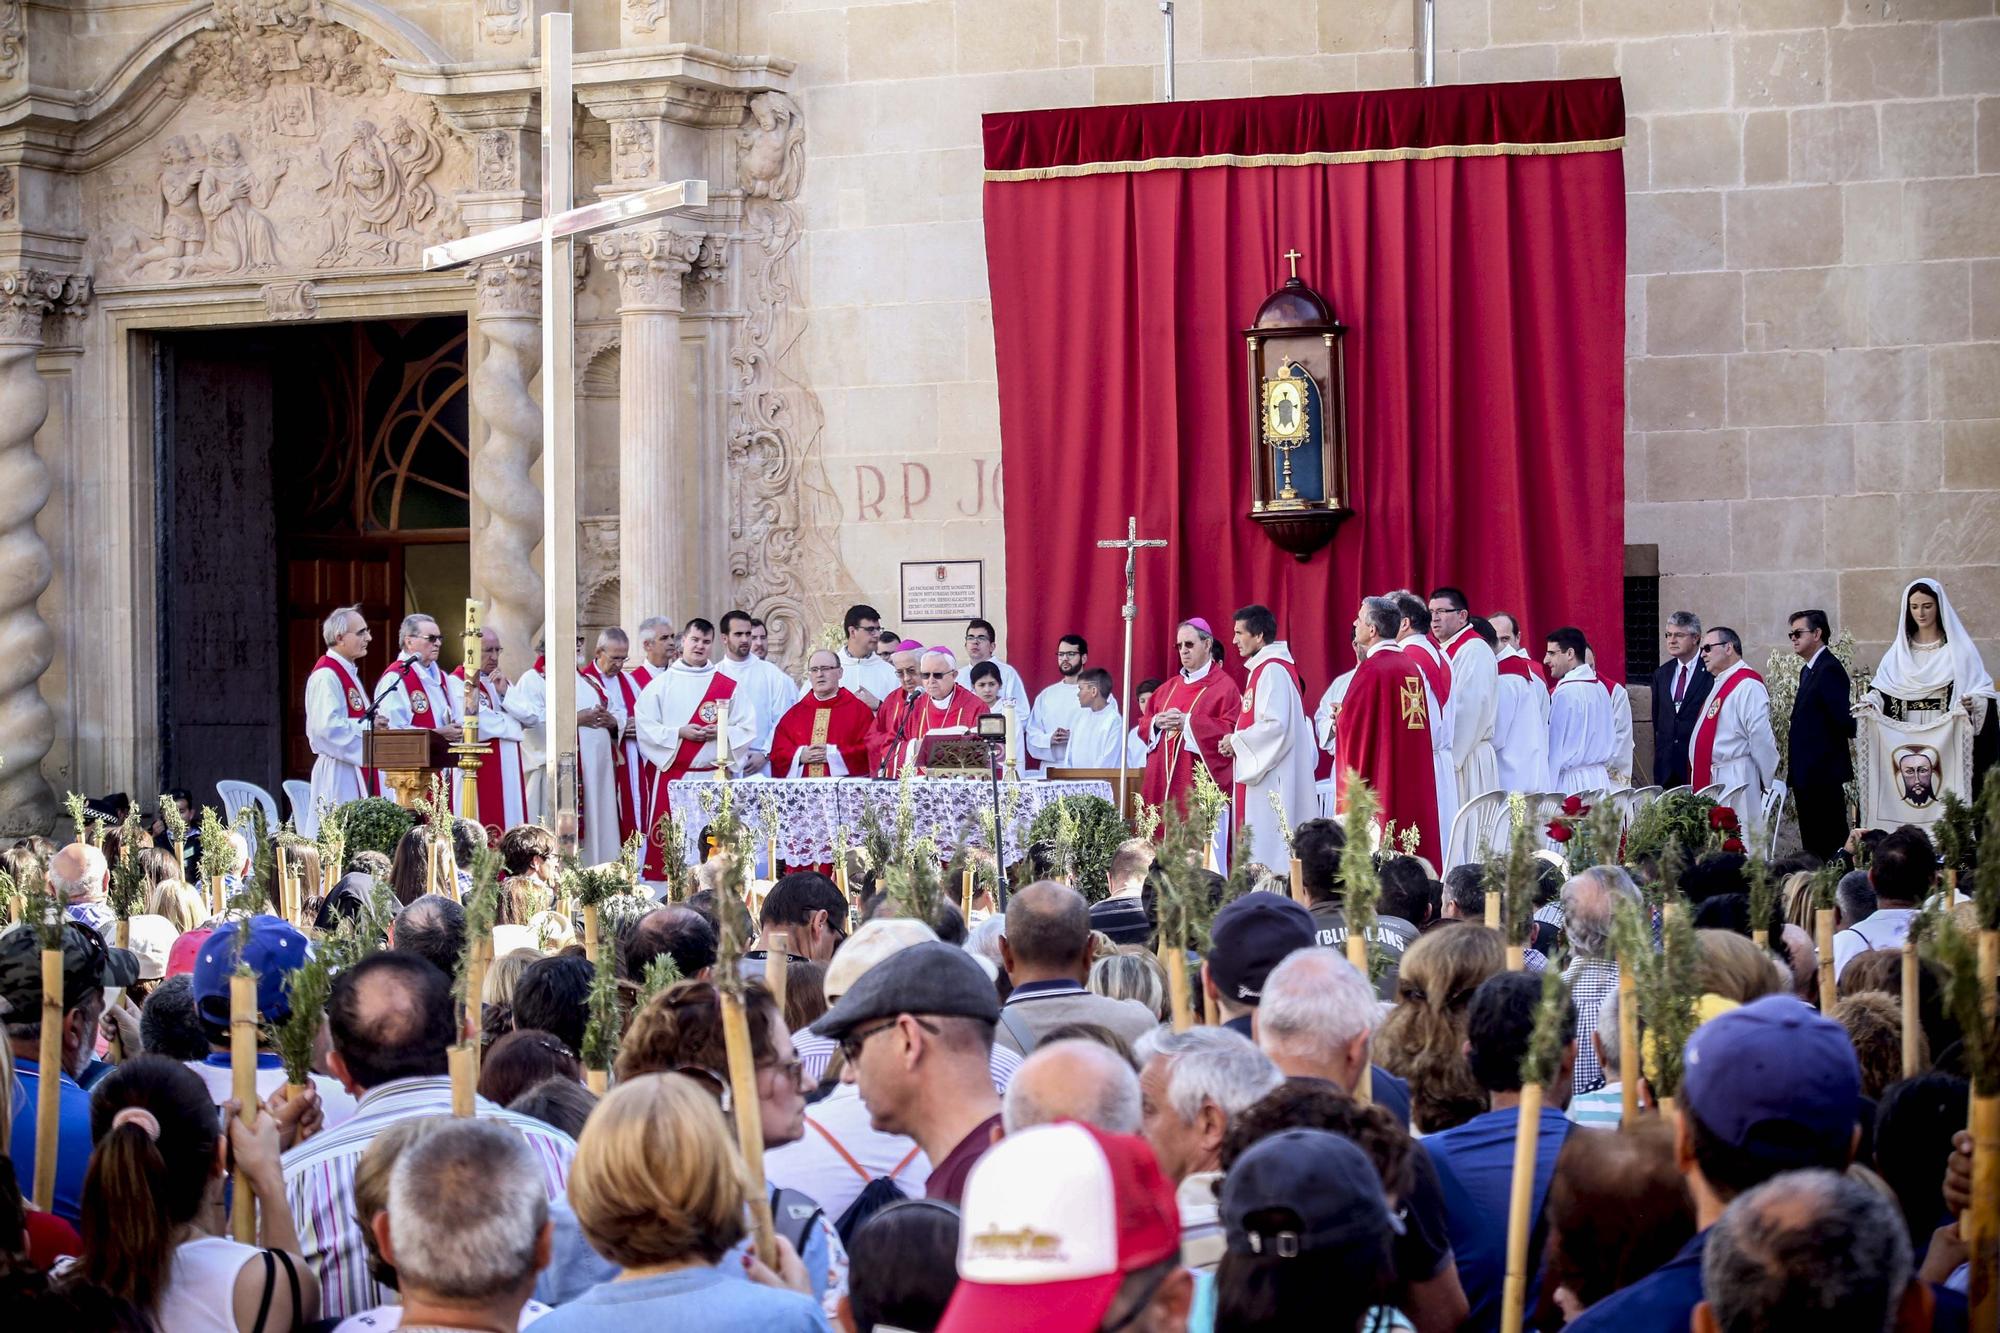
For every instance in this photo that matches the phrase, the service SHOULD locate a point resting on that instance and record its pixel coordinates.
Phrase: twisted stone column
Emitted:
(657, 462)
(27, 645)
(507, 314)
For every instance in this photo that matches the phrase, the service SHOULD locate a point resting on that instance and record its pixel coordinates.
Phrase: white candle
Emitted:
(722, 734)
(1013, 736)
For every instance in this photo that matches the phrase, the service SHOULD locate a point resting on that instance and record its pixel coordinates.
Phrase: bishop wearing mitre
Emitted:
(1272, 745)
(680, 717)
(944, 706)
(1184, 722)
(499, 791)
(825, 734)
(1384, 729)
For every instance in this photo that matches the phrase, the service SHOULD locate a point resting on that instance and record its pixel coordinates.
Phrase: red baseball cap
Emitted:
(1053, 1220)
(187, 948)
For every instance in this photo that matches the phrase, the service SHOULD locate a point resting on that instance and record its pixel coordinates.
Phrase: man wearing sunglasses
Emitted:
(413, 690)
(1732, 742)
(1816, 748)
(946, 705)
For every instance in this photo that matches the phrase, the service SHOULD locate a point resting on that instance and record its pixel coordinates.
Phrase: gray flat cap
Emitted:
(929, 978)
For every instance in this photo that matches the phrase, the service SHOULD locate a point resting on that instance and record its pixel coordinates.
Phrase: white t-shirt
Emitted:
(334, 1103)
(391, 1316)
(201, 1285)
(1885, 928)
(812, 1167)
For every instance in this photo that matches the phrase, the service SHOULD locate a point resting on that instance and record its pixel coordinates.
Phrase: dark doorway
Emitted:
(300, 469)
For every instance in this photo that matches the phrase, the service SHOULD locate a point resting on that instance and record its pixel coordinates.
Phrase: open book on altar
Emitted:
(955, 752)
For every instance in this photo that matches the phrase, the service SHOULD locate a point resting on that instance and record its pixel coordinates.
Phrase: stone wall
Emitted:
(1813, 373)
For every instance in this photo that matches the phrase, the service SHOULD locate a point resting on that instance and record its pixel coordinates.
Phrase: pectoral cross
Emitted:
(555, 234)
(1293, 256)
(1133, 541)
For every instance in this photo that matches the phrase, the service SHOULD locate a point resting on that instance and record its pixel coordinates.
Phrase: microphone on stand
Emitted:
(400, 669)
(902, 721)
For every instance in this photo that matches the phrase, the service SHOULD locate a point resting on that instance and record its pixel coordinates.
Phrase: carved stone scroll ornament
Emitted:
(646, 15)
(9, 201)
(785, 567)
(499, 165)
(507, 313)
(502, 21)
(290, 300)
(13, 36)
(27, 646)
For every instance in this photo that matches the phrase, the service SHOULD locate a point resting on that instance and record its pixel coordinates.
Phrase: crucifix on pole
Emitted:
(1130, 546)
(554, 234)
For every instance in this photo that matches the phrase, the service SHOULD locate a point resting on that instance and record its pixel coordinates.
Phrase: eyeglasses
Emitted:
(1712, 647)
(851, 1044)
(1798, 634)
(713, 1083)
(936, 675)
(793, 1069)
(431, 638)
(1061, 653)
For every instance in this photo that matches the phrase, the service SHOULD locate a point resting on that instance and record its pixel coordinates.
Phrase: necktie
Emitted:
(1680, 683)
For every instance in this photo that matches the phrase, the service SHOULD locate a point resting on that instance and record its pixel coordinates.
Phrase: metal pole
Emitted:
(1426, 25)
(1167, 18)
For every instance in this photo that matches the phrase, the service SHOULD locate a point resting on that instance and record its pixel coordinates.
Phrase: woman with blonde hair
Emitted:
(1737, 969)
(657, 1189)
(1132, 974)
(1423, 1039)
(179, 903)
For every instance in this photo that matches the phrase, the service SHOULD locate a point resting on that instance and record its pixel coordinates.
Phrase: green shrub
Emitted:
(1099, 830)
(373, 824)
(1678, 820)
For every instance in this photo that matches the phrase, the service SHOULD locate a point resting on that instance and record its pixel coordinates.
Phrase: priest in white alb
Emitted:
(1047, 726)
(1475, 693)
(1413, 638)
(1272, 746)
(1732, 743)
(982, 645)
(1326, 732)
(335, 709)
(527, 702)
(1580, 735)
(604, 683)
(499, 791)
(1620, 766)
(1096, 736)
(763, 684)
(603, 785)
(1520, 722)
(658, 645)
(863, 671)
(414, 691)
(681, 714)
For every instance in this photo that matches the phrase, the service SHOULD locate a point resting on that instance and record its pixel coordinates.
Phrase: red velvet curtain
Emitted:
(1483, 293)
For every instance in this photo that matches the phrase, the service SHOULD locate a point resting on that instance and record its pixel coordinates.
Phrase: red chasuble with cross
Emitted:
(1701, 745)
(1211, 704)
(840, 723)
(1385, 736)
(961, 709)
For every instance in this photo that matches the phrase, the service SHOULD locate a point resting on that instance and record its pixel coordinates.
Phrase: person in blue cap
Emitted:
(1767, 1088)
(273, 950)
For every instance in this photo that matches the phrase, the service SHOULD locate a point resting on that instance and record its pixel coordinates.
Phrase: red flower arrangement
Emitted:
(1722, 818)
(1574, 806)
(1733, 845)
(1559, 831)
(1563, 827)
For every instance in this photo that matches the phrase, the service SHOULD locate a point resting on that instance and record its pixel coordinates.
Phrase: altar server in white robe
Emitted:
(1521, 725)
(414, 691)
(1621, 727)
(527, 702)
(335, 707)
(1475, 692)
(680, 716)
(1326, 727)
(1057, 707)
(870, 677)
(496, 795)
(1272, 746)
(1097, 733)
(1732, 742)
(1580, 735)
(981, 645)
(1414, 639)
(764, 686)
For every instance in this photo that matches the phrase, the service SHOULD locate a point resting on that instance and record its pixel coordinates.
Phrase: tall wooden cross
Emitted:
(1130, 545)
(554, 234)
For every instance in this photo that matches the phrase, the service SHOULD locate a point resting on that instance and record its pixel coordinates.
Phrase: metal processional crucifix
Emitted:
(555, 234)
(1130, 546)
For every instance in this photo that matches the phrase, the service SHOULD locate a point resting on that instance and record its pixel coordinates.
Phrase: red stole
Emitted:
(421, 712)
(1456, 642)
(490, 780)
(1701, 747)
(1516, 666)
(706, 713)
(642, 674)
(1247, 712)
(841, 723)
(1206, 702)
(1384, 735)
(357, 702)
(1437, 671)
(621, 769)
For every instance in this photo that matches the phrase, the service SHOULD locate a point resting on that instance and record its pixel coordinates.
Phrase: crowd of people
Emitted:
(992, 1123)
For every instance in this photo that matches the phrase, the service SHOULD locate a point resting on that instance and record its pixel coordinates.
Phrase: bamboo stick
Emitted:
(1211, 1012)
(431, 864)
(475, 988)
(464, 1065)
(48, 1081)
(243, 1087)
(777, 962)
(284, 885)
(597, 1080)
(1514, 1292)
(1823, 939)
(967, 894)
(1911, 1031)
(1175, 962)
(771, 858)
(749, 1123)
(1492, 910)
(123, 933)
(1989, 971)
(1983, 1233)
(1629, 1061)
(1298, 880)
(590, 933)
(1357, 955)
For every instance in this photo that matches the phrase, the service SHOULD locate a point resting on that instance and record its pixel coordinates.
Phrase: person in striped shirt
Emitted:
(391, 1021)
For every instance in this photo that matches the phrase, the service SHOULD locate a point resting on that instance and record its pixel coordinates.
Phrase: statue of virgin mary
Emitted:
(1933, 666)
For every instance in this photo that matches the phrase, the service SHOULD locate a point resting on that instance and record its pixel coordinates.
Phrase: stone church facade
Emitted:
(793, 388)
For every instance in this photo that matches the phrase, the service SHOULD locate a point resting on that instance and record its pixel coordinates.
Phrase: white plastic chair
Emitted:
(299, 795)
(1773, 816)
(1621, 801)
(1681, 790)
(1645, 796)
(1474, 830)
(1713, 791)
(1732, 797)
(235, 795)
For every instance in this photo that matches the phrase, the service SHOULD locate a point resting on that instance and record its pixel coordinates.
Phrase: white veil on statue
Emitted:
(1906, 673)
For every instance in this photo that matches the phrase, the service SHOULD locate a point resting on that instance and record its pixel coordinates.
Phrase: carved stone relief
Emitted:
(647, 15)
(291, 300)
(501, 21)
(785, 568)
(631, 151)
(8, 202)
(292, 150)
(499, 166)
(13, 36)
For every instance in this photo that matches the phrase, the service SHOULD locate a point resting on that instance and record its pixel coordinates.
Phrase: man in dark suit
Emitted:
(1680, 688)
(1817, 759)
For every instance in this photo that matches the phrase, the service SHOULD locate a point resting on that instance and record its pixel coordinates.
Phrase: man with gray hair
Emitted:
(335, 706)
(1074, 1079)
(1316, 1019)
(1589, 901)
(1680, 687)
(1731, 741)
(1854, 900)
(414, 692)
(1191, 1084)
(657, 646)
(467, 1227)
(1810, 1249)
(1046, 951)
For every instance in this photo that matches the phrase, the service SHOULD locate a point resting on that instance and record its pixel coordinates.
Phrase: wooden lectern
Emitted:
(406, 757)
(1135, 778)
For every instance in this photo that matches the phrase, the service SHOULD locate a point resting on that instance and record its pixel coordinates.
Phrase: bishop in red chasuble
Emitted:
(1385, 732)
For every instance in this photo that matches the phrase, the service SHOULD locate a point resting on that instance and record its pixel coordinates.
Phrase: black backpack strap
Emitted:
(792, 1215)
(1023, 1035)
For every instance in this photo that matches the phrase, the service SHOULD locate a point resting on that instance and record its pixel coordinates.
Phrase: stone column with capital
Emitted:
(27, 645)
(507, 314)
(658, 468)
